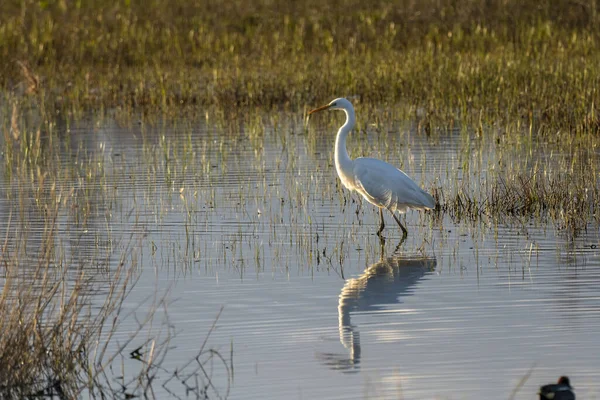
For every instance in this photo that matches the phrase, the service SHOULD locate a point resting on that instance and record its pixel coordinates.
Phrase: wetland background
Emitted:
(173, 227)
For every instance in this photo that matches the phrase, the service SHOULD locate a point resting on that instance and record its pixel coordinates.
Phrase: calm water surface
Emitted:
(313, 307)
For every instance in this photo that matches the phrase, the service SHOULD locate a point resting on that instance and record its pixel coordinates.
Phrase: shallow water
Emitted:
(313, 307)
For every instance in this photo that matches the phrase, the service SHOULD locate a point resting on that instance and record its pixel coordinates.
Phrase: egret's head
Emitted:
(337, 104)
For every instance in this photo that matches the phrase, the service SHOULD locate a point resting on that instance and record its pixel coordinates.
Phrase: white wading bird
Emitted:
(382, 184)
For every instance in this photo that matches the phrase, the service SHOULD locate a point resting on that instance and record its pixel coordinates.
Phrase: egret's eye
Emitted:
(333, 105)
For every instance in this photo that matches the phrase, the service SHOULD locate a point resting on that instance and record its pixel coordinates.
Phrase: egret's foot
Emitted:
(400, 243)
(381, 239)
(404, 231)
(382, 246)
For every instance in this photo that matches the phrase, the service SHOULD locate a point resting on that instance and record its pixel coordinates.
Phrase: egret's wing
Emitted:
(370, 179)
(390, 187)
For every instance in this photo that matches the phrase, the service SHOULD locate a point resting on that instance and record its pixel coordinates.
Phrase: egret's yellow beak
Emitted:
(325, 107)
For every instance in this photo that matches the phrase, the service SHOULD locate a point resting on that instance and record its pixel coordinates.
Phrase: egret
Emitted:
(380, 183)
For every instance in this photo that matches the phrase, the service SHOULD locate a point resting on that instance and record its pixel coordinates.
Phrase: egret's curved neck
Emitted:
(343, 163)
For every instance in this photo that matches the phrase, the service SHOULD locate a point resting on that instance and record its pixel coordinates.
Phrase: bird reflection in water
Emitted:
(382, 283)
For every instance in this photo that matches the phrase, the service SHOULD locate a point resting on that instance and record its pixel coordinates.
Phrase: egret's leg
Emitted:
(381, 224)
(404, 231)
(382, 246)
(397, 249)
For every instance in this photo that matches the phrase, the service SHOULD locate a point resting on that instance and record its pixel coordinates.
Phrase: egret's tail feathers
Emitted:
(429, 202)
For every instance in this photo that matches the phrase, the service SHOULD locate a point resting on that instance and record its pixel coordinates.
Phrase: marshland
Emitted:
(174, 227)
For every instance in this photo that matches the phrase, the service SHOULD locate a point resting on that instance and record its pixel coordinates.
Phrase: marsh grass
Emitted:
(506, 78)
(568, 203)
(527, 68)
(502, 60)
(49, 330)
(65, 278)
(58, 320)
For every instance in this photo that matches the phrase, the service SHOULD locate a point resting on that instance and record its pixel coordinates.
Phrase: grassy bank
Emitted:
(504, 59)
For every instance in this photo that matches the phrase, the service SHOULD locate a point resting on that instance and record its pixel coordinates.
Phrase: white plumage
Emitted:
(380, 183)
